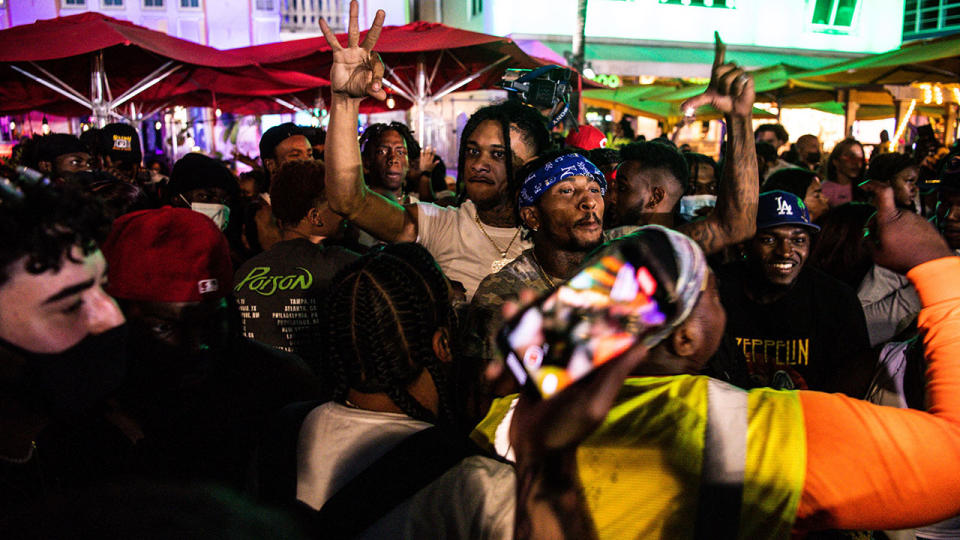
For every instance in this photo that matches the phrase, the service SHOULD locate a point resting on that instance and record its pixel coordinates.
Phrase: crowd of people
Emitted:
(310, 349)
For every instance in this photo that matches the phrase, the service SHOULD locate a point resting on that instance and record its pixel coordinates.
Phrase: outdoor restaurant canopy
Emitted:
(647, 101)
(772, 84)
(51, 64)
(932, 60)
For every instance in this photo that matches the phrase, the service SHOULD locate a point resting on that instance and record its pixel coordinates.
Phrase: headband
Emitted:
(692, 272)
(563, 167)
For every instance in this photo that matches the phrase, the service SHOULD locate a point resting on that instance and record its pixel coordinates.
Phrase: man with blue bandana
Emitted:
(560, 205)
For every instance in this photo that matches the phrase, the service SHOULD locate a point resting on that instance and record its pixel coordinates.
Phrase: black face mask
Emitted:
(68, 384)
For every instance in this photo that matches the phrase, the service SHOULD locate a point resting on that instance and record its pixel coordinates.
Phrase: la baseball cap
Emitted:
(782, 208)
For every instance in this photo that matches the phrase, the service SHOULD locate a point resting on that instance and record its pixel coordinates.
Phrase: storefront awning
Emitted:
(685, 60)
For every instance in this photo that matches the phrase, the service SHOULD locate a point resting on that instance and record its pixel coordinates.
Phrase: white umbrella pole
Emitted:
(99, 106)
(421, 99)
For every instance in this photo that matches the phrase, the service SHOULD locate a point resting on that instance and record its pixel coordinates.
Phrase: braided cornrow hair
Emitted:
(512, 112)
(382, 313)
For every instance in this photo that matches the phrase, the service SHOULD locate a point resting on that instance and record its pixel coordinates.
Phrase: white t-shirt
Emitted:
(464, 253)
(474, 499)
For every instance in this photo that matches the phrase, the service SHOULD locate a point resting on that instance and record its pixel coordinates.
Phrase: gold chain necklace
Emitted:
(503, 260)
(543, 273)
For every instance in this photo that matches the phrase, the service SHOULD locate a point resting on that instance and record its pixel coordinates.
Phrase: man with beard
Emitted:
(561, 207)
(197, 389)
(61, 350)
(468, 242)
(777, 307)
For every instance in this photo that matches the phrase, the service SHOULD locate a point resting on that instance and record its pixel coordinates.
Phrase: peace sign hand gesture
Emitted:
(357, 71)
(730, 90)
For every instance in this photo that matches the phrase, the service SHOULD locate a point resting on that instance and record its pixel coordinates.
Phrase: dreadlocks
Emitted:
(532, 126)
(383, 312)
(370, 139)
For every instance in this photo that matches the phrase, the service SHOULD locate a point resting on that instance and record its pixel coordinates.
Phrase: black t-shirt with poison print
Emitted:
(808, 339)
(279, 293)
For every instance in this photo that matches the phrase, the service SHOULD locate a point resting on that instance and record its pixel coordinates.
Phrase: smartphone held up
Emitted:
(603, 311)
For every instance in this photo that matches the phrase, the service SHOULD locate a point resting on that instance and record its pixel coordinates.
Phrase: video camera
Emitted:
(11, 180)
(543, 88)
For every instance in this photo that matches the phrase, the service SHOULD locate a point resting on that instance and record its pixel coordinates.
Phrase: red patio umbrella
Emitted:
(49, 64)
(304, 100)
(424, 61)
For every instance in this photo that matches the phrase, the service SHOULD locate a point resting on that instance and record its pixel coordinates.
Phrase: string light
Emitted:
(956, 94)
(45, 126)
(927, 93)
(391, 103)
(157, 125)
(218, 112)
(903, 124)
(938, 95)
(13, 125)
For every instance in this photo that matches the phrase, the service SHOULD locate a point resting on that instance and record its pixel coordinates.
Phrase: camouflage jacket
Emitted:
(484, 317)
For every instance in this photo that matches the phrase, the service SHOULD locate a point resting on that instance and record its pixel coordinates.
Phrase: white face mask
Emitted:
(689, 204)
(219, 213)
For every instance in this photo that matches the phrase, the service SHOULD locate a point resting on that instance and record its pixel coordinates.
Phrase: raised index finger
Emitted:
(719, 50)
(374, 33)
(353, 27)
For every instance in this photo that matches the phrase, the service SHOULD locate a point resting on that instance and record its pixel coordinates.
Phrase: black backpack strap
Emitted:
(403, 471)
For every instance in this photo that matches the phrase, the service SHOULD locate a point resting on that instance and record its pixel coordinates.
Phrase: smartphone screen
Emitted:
(595, 316)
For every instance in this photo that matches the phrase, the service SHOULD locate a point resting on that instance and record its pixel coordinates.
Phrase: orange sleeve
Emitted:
(873, 467)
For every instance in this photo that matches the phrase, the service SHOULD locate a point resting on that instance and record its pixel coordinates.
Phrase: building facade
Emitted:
(930, 18)
(223, 24)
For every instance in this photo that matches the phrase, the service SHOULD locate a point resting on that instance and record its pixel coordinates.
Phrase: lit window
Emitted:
(838, 14)
(701, 3)
(190, 3)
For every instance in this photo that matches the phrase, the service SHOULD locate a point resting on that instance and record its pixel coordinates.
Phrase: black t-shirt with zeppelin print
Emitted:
(804, 340)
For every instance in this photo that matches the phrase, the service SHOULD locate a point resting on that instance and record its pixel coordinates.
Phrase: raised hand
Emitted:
(427, 159)
(357, 71)
(901, 240)
(730, 90)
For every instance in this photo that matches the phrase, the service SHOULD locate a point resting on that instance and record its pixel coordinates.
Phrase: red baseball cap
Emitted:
(587, 138)
(167, 255)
